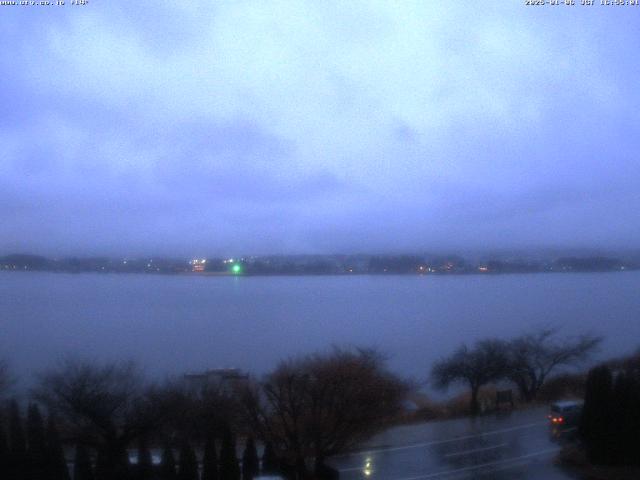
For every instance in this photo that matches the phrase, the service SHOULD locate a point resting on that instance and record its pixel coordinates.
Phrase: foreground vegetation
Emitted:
(526, 361)
(287, 423)
(305, 410)
(607, 445)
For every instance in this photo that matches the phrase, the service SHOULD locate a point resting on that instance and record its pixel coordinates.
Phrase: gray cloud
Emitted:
(301, 126)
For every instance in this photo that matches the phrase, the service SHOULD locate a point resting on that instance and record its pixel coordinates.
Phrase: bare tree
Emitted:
(321, 405)
(484, 363)
(107, 405)
(534, 356)
(201, 414)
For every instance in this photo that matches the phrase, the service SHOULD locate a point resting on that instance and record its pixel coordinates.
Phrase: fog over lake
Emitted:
(173, 324)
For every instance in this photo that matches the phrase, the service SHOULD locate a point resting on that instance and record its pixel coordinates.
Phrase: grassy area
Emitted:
(458, 406)
(559, 387)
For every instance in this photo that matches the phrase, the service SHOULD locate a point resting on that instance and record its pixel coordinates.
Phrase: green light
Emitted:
(236, 268)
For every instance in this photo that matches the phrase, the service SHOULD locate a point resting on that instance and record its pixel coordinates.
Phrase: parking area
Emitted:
(516, 445)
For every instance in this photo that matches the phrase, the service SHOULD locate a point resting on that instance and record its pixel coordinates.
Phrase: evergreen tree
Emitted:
(188, 463)
(625, 404)
(102, 471)
(82, 469)
(595, 425)
(270, 463)
(635, 421)
(288, 469)
(168, 464)
(229, 466)
(56, 462)
(145, 463)
(250, 461)
(4, 453)
(121, 467)
(112, 462)
(17, 442)
(37, 448)
(325, 472)
(210, 460)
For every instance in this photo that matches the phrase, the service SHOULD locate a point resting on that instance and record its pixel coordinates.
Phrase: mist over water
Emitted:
(175, 324)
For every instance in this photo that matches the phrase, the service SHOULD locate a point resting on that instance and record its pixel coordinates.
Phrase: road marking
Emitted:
(483, 465)
(492, 470)
(439, 442)
(466, 452)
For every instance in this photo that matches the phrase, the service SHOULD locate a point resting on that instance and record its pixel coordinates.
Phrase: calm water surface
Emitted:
(172, 324)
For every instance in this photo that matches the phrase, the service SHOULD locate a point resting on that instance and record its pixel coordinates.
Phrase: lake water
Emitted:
(173, 324)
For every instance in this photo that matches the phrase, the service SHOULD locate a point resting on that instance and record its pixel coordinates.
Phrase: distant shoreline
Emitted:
(319, 265)
(335, 274)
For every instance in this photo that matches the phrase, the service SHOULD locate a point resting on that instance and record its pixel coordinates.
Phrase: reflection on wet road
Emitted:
(504, 447)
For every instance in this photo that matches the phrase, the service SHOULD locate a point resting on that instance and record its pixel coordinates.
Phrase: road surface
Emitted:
(503, 447)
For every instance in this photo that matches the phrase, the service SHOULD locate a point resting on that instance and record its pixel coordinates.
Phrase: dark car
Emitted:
(564, 417)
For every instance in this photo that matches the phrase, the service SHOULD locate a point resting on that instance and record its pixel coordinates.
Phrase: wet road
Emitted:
(509, 446)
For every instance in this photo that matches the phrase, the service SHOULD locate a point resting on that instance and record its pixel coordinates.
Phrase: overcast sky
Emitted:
(203, 128)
